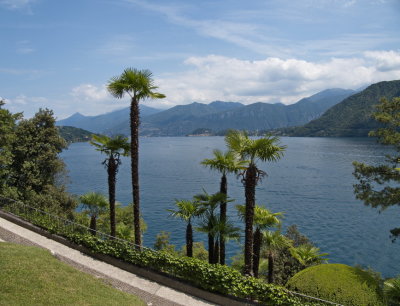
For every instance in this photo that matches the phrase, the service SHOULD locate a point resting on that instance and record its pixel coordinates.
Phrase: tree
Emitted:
(308, 255)
(371, 179)
(263, 220)
(392, 291)
(94, 204)
(224, 163)
(211, 223)
(273, 243)
(138, 84)
(36, 173)
(113, 147)
(261, 149)
(187, 210)
(8, 125)
(35, 150)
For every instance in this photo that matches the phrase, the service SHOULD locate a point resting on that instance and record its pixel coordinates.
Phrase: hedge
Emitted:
(338, 283)
(211, 277)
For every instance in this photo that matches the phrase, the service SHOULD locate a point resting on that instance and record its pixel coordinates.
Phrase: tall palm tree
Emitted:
(113, 147)
(273, 243)
(187, 210)
(224, 163)
(94, 204)
(261, 149)
(138, 84)
(263, 220)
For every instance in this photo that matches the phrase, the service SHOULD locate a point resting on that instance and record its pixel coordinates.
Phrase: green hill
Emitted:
(32, 276)
(73, 134)
(352, 116)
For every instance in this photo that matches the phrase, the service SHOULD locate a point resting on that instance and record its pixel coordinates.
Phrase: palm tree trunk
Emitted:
(270, 268)
(256, 251)
(250, 182)
(189, 240)
(135, 120)
(93, 226)
(223, 208)
(210, 248)
(216, 252)
(112, 174)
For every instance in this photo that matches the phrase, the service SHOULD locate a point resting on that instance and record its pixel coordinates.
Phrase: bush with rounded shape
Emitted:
(338, 283)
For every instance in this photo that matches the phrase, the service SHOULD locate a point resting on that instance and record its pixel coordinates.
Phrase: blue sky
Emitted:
(61, 54)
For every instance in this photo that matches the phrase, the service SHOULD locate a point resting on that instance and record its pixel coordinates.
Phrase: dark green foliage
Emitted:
(352, 116)
(35, 152)
(8, 123)
(338, 283)
(72, 134)
(378, 185)
(216, 278)
(162, 243)
(30, 166)
(392, 291)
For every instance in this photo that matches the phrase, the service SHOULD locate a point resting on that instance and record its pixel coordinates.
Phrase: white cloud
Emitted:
(89, 92)
(273, 79)
(384, 60)
(90, 99)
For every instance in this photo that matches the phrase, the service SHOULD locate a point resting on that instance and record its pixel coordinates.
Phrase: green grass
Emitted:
(32, 276)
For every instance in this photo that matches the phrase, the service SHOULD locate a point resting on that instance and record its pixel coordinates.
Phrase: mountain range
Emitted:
(351, 117)
(217, 116)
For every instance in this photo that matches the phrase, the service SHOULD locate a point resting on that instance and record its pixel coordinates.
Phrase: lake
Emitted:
(311, 184)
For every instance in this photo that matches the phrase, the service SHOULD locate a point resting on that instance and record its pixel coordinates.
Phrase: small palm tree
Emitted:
(138, 84)
(391, 290)
(262, 149)
(224, 163)
(263, 220)
(187, 210)
(210, 220)
(113, 148)
(94, 204)
(216, 229)
(307, 254)
(273, 243)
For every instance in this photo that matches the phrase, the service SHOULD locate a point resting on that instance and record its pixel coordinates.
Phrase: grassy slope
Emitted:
(32, 276)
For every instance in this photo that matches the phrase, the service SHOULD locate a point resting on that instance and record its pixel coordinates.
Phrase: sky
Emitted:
(61, 54)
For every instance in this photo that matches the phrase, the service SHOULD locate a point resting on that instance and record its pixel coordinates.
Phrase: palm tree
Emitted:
(273, 243)
(307, 254)
(94, 204)
(263, 149)
(138, 84)
(263, 220)
(216, 229)
(391, 290)
(113, 148)
(187, 210)
(210, 220)
(224, 163)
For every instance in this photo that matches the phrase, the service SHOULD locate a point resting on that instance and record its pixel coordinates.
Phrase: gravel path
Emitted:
(151, 292)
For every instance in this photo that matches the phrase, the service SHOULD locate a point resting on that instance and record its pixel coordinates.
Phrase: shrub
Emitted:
(338, 283)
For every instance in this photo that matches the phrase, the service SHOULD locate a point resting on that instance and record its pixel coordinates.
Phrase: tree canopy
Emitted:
(378, 185)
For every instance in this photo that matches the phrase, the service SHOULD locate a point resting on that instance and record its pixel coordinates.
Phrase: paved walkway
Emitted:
(151, 292)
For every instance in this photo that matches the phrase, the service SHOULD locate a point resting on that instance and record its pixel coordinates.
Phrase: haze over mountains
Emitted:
(217, 116)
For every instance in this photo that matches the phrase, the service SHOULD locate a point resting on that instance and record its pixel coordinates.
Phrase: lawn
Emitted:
(32, 276)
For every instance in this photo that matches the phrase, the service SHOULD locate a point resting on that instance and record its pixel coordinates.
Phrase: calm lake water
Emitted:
(312, 184)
